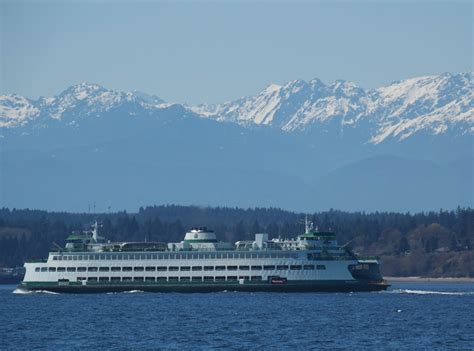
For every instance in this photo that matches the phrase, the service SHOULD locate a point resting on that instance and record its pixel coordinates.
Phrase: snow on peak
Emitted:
(16, 110)
(80, 100)
(435, 104)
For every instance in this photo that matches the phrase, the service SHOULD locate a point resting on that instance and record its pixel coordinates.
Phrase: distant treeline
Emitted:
(430, 243)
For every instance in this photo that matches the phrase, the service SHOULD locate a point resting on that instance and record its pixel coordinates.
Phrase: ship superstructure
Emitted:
(200, 263)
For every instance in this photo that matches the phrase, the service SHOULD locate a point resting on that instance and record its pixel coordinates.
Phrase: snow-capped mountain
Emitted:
(434, 105)
(302, 145)
(78, 101)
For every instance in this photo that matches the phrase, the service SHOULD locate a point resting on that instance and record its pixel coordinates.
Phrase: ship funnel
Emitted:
(260, 239)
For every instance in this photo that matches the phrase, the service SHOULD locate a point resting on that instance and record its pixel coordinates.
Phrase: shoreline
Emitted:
(430, 279)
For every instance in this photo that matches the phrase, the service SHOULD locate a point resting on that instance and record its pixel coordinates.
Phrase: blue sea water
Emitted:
(409, 316)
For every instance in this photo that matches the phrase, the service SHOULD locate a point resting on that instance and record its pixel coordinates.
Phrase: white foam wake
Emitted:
(21, 291)
(430, 292)
(25, 292)
(133, 291)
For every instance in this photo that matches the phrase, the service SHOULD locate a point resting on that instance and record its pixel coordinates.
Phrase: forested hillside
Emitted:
(437, 244)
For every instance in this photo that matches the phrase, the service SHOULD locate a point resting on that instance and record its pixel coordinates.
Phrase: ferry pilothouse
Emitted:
(200, 263)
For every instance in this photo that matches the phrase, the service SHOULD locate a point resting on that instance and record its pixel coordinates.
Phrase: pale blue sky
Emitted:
(215, 51)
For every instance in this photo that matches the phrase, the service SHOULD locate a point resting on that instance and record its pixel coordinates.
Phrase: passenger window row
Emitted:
(170, 279)
(172, 255)
(180, 268)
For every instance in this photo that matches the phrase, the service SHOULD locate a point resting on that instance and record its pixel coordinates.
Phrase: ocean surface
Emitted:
(415, 315)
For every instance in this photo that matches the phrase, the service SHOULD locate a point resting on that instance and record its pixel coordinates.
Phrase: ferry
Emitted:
(311, 262)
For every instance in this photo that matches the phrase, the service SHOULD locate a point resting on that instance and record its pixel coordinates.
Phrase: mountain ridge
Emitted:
(435, 105)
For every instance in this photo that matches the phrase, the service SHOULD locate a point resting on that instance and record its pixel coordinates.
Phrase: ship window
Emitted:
(81, 269)
(321, 267)
(161, 268)
(220, 268)
(60, 269)
(92, 279)
(124, 257)
(103, 279)
(295, 267)
(150, 279)
(104, 269)
(173, 268)
(256, 277)
(244, 268)
(155, 257)
(231, 278)
(80, 279)
(115, 279)
(269, 268)
(44, 269)
(282, 267)
(160, 279)
(138, 269)
(231, 268)
(126, 269)
(150, 269)
(115, 269)
(143, 257)
(60, 258)
(208, 279)
(126, 279)
(138, 279)
(197, 268)
(208, 268)
(256, 268)
(184, 279)
(80, 258)
(74, 258)
(245, 277)
(52, 269)
(197, 279)
(37, 269)
(108, 257)
(185, 268)
(148, 257)
(172, 279)
(220, 279)
(309, 266)
(71, 269)
(92, 269)
(55, 258)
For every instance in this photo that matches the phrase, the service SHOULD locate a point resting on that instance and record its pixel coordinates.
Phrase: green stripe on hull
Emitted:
(192, 287)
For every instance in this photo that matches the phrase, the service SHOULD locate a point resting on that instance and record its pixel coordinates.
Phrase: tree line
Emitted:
(30, 234)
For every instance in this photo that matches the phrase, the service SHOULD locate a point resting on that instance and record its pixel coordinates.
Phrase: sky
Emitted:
(214, 51)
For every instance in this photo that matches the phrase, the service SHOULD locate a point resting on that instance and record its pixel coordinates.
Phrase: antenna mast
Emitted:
(95, 232)
(308, 225)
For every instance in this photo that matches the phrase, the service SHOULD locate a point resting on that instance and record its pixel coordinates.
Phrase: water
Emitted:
(409, 316)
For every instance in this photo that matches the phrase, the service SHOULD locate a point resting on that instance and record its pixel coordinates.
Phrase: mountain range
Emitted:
(301, 145)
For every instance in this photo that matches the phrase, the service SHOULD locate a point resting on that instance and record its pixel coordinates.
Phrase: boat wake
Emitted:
(28, 292)
(430, 292)
(133, 292)
(22, 292)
